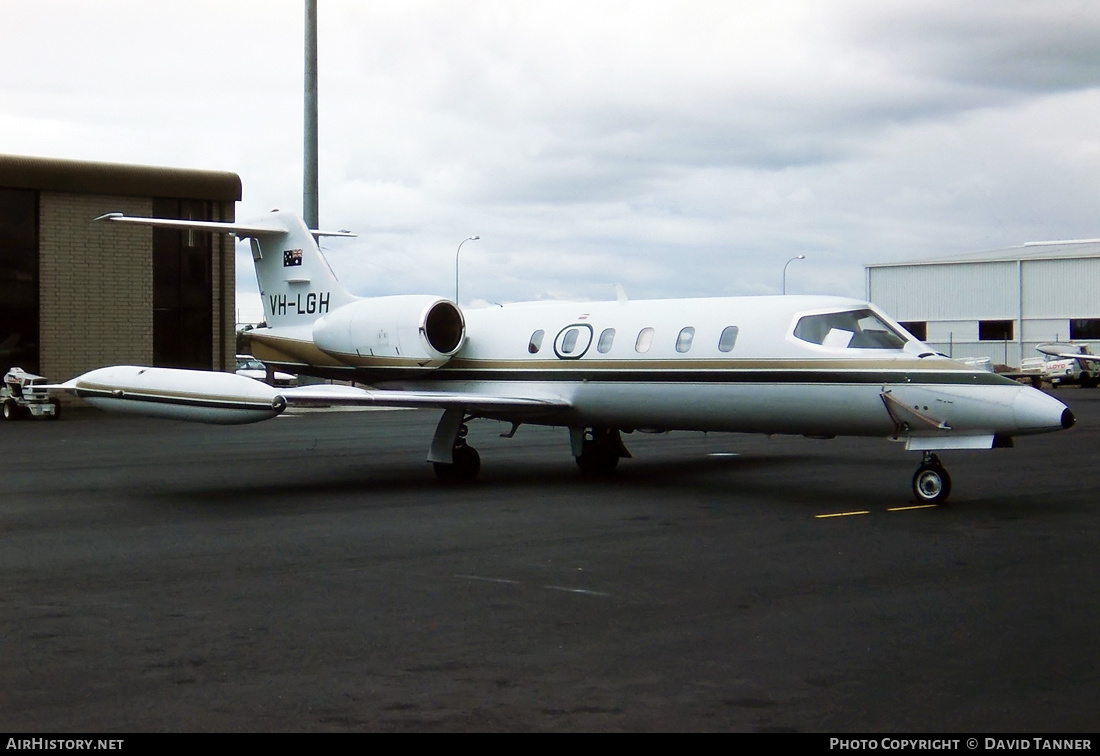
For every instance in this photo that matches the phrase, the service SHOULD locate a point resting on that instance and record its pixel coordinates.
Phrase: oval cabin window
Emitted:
(727, 339)
(607, 338)
(535, 344)
(683, 341)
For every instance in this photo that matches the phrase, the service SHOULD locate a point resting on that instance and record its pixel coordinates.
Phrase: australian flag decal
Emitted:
(292, 257)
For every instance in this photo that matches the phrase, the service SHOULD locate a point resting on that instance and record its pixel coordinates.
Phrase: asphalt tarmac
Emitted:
(309, 574)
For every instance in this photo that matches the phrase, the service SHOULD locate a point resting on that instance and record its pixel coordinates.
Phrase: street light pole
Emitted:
(472, 238)
(800, 257)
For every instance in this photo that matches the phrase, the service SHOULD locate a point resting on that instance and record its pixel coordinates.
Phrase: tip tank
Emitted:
(195, 395)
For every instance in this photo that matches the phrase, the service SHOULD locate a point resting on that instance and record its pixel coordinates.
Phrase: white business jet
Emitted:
(810, 365)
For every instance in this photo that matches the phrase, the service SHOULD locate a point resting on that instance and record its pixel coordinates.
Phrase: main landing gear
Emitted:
(597, 450)
(454, 460)
(466, 462)
(931, 483)
(600, 450)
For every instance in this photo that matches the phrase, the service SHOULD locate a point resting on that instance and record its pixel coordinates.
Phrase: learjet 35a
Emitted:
(811, 365)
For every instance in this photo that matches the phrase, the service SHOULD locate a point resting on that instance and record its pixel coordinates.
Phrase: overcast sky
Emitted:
(682, 148)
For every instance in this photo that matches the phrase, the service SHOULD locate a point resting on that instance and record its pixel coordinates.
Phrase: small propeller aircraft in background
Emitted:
(811, 365)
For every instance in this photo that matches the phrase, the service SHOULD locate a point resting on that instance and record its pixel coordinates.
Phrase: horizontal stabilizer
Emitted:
(242, 230)
(256, 229)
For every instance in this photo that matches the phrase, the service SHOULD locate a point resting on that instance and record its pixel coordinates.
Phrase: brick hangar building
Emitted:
(77, 295)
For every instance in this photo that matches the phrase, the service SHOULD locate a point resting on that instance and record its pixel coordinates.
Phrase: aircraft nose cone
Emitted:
(1035, 412)
(1068, 420)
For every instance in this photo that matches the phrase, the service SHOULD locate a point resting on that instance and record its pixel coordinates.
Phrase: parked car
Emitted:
(250, 367)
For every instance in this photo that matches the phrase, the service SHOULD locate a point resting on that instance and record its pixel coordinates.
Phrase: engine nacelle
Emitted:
(424, 329)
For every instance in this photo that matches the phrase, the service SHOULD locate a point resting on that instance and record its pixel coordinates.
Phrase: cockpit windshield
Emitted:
(853, 329)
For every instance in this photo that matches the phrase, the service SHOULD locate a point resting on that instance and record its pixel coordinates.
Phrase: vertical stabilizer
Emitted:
(296, 283)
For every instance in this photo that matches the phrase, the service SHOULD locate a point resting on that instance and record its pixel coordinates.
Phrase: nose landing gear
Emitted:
(931, 483)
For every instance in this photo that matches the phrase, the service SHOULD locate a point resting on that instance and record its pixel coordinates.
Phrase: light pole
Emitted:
(800, 257)
(309, 166)
(472, 238)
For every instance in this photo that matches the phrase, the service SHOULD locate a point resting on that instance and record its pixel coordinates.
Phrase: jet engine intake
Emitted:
(424, 330)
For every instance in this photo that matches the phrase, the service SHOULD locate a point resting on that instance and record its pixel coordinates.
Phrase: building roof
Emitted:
(1050, 250)
(87, 177)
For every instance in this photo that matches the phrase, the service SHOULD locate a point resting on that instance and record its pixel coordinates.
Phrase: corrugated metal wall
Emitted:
(952, 297)
(978, 291)
(1062, 288)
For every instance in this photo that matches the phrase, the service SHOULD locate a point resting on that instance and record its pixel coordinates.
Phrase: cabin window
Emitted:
(607, 338)
(683, 341)
(573, 341)
(854, 329)
(727, 339)
(1084, 328)
(995, 330)
(535, 344)
(645, 341)
(569, 341)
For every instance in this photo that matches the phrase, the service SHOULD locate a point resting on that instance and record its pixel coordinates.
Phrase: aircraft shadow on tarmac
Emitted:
(786, 479)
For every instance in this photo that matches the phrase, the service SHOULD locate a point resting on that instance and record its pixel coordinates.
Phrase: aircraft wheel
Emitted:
(464, 469)
(931, 483)
(598, 458)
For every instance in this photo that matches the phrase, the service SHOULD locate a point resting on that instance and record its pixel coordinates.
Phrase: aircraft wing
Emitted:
(226, 398)
(348, 396)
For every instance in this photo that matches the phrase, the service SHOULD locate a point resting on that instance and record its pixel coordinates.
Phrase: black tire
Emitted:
(931, 484)
(56, 409)
(11, 410)
(597, 459)
(464, 469)
(600, 452)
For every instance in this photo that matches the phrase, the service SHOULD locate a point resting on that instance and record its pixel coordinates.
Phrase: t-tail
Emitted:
(296, 283)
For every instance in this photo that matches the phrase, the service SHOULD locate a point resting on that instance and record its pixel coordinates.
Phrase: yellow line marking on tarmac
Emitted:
(868, 511)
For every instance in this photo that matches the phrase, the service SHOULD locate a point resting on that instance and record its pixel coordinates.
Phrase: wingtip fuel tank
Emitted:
(193, 395)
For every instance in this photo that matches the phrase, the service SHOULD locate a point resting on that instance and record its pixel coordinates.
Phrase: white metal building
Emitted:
(998, 304)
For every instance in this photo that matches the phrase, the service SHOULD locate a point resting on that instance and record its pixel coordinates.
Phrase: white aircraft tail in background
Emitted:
(816, 366)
